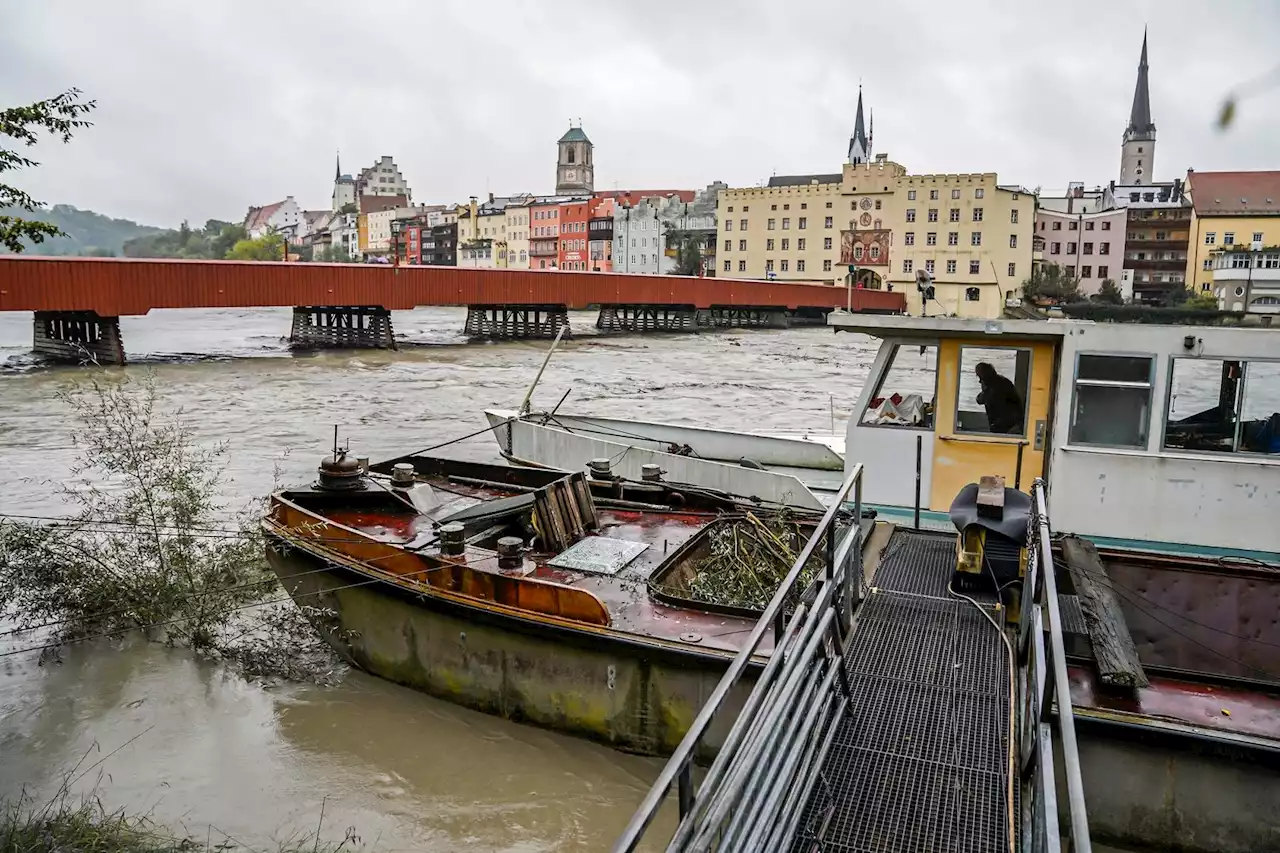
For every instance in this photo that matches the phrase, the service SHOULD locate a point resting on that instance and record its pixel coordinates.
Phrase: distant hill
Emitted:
(87, 233)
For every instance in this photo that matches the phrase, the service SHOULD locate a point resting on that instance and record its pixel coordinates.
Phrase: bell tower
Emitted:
(575, 166)
(1138, 150)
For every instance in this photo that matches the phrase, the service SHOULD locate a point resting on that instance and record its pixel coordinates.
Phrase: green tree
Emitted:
(1051, 283)
(688, 248)
(1109, 293)
(1202, 302)
(61, 116)
(349, 207)
(1176, 296)
(333, 255)
(268, 247)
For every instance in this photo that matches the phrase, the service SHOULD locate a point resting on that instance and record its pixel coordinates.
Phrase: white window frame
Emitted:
(1076, 382)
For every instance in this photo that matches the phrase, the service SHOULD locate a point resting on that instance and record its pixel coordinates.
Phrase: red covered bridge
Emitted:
(78, 301)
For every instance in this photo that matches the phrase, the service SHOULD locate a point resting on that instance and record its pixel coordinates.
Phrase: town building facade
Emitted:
(575, 166)
(1089, 246)
(1234, 242)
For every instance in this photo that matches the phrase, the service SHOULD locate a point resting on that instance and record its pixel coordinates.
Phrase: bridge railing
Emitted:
(755, 791)
(1045, 704)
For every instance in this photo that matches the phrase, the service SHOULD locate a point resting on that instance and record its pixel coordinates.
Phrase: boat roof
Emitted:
(901, 326)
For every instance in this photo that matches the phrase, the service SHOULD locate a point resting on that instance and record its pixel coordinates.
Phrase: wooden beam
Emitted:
(1114, 654)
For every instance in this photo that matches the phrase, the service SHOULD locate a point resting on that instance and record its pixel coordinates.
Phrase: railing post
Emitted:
(685, 789)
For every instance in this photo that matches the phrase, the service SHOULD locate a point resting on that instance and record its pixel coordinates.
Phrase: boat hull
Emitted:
(605, 685)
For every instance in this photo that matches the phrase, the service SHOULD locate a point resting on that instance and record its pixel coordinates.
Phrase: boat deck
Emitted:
(920, 760)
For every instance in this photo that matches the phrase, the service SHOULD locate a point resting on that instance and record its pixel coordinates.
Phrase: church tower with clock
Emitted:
(575, 169)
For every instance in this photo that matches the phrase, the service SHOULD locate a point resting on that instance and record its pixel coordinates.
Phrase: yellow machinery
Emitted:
(991, 544)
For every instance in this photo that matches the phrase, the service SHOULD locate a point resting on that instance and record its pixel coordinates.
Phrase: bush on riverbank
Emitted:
(149, 545)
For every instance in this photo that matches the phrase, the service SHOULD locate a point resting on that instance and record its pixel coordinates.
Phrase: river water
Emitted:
(202, 750)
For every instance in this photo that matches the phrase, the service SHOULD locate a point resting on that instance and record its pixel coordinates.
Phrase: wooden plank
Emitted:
(1114, 654)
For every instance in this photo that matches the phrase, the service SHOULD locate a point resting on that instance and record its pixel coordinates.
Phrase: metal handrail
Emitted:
(1042, 680)
(784, 729)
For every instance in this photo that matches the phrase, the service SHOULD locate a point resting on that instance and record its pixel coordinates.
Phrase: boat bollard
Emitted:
(650, 473)
(509, 556)
(403, 476)
(452, 541)
(600, 469)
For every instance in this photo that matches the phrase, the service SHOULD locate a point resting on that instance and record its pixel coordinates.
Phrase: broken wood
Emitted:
(990, 501)
(1114, 654)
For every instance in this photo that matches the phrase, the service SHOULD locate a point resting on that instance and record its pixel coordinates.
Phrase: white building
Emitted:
(383, 178)
(640, 231)
(1248, 279)
(282, 216)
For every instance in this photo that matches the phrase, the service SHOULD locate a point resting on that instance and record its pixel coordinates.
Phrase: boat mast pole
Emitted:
(524, 405)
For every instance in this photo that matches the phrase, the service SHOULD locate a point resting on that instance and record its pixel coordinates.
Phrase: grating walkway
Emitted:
(919, 763)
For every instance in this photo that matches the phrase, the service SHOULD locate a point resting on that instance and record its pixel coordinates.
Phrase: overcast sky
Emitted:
(207, 108)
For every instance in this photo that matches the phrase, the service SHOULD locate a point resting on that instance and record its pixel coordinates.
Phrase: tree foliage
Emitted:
(1051, 283)
(59, 116)
(1109, 294)
(1202, 302)
(332, 254)
(212, 242)
(688, 248)
(85, 232)
(268, 247)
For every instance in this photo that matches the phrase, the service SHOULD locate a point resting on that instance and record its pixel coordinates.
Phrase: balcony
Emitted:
(543, 250)
(1138, 243)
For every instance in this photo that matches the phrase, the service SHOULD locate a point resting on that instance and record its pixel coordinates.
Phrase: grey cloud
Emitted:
(206, 109)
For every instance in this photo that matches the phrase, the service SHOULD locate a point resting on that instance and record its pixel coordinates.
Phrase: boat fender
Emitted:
(675, 499)
(750, 463)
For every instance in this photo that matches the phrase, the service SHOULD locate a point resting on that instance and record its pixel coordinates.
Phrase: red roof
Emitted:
(376, 203)
(634, 196)
(1235, 193)
(258, 217)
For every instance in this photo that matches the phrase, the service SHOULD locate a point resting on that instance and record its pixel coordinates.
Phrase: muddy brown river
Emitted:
(205, 752)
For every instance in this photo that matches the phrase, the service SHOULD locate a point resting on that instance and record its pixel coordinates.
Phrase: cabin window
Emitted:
(993, 390)
(1224, 406)
(1112, 405)
(905, 395)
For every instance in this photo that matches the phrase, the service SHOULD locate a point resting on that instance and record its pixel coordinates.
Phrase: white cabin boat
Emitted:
(1153, 437)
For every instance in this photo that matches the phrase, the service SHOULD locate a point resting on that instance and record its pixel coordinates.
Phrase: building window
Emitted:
(746, 208)
(728, 245)
(1057, 226)
(742, 223)
(933, 195)
(1257, 236)
(875, 252)
(975, 267)
(731, 208)
(784, 264)
(972, 294)
(803, 223)
(909, 238)
(977, 214)
(908, 266)
(911, 214)
(1104, 248)
(742, 245)
(804, 206)
(951, 266)
(1228, 238)
(770, 224)
(1088, 248)
(977, 193)
(1013, 217)
(826, 223)
(1210, 238)
(768, 245)
(953, 238)
(857, 252)
(828, 205)
(773, 207)
(1106, 226)
(1206, 287)
(768, 265)
(975, 239)
(1111, 405)
(786, 244)
(727, 263)
(826, 265)
(953, 215)
(911, 195)
(1102, 272)
(1086, 271)
(786, 207)
(928, 266)
(1013, 241)
(728, 225)
(1088, 226)
(1073, 226)
(933, 214)
(742, 266)
(786, 223)
(931, 239)
(800, 244)
(1012, 268)
(644, 259)
(878, 202)
(1071, 271)
(799, 266)
(1071, 248)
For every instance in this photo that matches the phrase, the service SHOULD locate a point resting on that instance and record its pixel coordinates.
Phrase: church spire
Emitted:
(859, 143)
(337, 165)
(1140, 115)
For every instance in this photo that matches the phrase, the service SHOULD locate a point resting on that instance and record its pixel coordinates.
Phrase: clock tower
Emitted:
(575, 169)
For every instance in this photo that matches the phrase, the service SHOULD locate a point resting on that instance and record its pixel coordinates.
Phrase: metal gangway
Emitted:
(893, 715)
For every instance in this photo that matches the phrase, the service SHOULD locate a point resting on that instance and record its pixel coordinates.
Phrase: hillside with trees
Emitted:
(214, 241)
(83, 232)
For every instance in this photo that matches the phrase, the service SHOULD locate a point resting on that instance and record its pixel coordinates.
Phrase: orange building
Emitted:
(600, 234)
(572, 253)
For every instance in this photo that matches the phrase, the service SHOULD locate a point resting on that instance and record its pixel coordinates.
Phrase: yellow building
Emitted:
(971, 235)
(518, 236)
(1229, 209)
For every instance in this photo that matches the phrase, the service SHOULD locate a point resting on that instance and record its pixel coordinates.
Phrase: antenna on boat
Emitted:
(335, 441)
(524, 405)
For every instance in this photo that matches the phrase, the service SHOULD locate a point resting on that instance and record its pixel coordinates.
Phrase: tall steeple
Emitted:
(1138, 150)
(337, 165)
(859, 143)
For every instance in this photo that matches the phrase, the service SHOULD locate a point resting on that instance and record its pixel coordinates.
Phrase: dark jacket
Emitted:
(1003, 404)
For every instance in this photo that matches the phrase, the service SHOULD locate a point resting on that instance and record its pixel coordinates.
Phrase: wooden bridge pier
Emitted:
(78, 337)
(353, 327)
(724, 317)
(510, 322)
(647, 318)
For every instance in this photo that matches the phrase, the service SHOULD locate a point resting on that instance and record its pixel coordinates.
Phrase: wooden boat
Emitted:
(532, 594)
